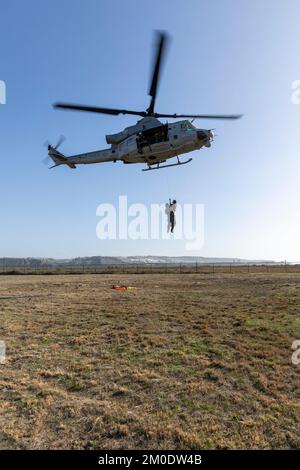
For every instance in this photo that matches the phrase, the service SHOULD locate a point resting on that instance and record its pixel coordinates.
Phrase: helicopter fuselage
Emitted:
(150, 142)
(163, 142)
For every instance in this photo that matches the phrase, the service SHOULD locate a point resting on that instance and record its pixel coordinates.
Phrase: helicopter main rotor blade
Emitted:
(160, 54)
(199, 116)
(95, 109)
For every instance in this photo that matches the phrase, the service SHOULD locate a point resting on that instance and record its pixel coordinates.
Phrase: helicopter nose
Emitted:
(205, 137)
(202, 135)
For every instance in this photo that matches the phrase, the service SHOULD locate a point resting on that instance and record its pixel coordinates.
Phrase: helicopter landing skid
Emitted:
(158, 167)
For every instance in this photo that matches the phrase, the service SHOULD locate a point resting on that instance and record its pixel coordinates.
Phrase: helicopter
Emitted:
(149, 141)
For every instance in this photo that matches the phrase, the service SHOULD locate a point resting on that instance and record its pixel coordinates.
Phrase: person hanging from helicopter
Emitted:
(167, 212)
(170, 211)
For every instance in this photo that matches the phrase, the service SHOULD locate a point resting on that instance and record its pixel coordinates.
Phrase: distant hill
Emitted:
(109, 260)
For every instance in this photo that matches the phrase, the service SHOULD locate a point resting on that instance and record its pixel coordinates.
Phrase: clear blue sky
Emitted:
(225, 57)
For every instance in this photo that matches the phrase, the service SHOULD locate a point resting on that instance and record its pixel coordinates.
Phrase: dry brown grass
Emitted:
(184, 362)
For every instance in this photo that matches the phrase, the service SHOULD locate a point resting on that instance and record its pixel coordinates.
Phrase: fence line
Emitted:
(159, 268)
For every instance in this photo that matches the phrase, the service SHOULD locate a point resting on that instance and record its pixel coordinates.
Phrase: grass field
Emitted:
(183, 362)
